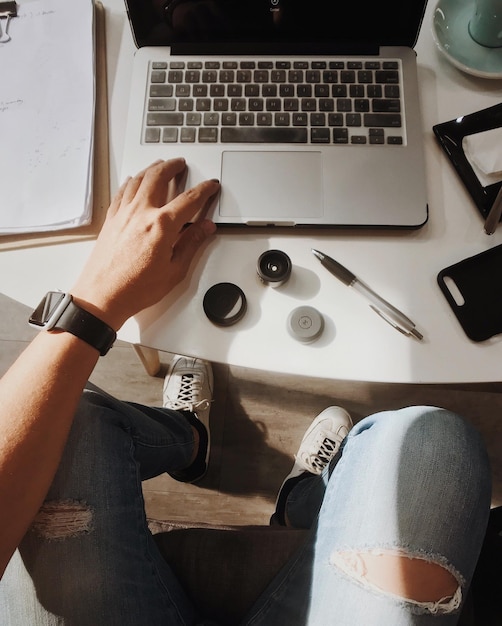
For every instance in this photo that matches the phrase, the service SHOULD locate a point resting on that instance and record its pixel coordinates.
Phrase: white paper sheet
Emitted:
(47, 103)
(484, 153)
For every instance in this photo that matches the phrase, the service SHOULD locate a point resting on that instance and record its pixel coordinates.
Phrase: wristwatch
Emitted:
(57, 311)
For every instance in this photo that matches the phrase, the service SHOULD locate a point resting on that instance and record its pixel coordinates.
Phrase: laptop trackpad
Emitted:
(271, 185)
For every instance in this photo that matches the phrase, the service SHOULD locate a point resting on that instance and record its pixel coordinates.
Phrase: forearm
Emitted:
(38, 398)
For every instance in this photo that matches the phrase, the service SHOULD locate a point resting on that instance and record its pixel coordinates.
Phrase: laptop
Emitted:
(308, 113)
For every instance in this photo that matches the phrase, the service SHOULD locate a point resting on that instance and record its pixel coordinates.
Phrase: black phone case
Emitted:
(478, 278)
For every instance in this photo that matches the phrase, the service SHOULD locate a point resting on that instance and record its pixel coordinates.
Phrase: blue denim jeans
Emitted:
(415, 481)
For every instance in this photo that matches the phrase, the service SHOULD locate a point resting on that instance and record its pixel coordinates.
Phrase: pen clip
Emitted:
(389, 321)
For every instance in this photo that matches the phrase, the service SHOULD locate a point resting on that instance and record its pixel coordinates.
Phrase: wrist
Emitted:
(60, 311)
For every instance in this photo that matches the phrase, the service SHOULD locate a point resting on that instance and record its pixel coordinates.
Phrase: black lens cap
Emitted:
(224, 304)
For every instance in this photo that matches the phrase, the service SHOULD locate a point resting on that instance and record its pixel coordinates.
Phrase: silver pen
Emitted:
(494, 214)
(389, 313)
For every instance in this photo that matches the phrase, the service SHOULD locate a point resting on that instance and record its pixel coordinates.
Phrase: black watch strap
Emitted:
(87, 327)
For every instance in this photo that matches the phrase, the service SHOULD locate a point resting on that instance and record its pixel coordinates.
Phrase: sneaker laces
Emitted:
(188, 394)
(315, 463)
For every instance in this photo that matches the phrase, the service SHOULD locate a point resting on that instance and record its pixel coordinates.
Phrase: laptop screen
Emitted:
(348, 24)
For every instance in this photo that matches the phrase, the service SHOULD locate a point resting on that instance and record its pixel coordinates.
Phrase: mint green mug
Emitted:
(485, 26)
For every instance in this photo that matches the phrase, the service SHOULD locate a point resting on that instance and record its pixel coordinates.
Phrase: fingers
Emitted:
(185, 206)
(152, 185)
(156, 182)
(157, 186)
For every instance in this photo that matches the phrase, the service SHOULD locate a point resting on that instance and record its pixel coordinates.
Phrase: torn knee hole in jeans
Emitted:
(410, 578)
(62, 519)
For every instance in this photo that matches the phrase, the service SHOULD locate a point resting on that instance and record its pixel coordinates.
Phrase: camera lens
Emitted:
(274, 267)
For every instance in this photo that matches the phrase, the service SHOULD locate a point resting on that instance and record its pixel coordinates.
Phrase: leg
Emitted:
(89, 558)
(149, 358)
(399, 530)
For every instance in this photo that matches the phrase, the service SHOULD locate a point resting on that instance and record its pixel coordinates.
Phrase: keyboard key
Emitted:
(208, 135)
(203, 104)
(211, 119)
(256, 104)
(317, 119)
(264, 119)
(199, 91)
(291, 104)
(170, 135)
(174, 76)
(335, 119)
(386, 76)
(162, 104)
(238, 104)
(340, 135)
(209, 76)
(273, 104)
(164, 119)
(300, 119)
(185, 104)
(161, 91)
(322, 91)
(158, 76)
(385, 120)
(221, 104)
(244, 76)
(362, 105)
(282, 119)
(216, 91)
(229, 119)
(391, 91)
(326, 104)
(348, 76)
(304, 91)
(308, 104)
(269, 91)
(246, 119)
(194, 119)
(251, 91)
(386, 105)
(339, 91)
(264, 135)
(261, 76)
(344, 104)
(152, 135)
(353, 119)
(320, 135)
(358, 139)
(234, 91)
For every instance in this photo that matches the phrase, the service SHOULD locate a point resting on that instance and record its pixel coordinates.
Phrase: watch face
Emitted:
(45, 312)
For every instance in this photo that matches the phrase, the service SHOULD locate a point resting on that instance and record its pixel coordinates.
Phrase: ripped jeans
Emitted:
(414, 481)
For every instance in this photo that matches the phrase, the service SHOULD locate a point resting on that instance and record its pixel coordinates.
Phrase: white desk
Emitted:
(400, 266)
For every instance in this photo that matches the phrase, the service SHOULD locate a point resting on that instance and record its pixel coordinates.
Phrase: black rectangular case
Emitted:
(478, 279)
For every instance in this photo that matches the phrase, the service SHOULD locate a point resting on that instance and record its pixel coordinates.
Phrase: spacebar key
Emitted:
(263, 135)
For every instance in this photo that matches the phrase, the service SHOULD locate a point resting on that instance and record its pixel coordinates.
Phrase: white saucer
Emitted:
(450, 24)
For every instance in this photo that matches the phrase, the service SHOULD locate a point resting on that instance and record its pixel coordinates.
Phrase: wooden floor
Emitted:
(257, 422)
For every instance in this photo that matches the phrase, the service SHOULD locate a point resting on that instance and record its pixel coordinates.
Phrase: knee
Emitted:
(63, 519)
(426, 585)
(428, 429)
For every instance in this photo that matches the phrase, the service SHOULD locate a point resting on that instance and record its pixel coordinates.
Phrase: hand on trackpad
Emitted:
(271, 185)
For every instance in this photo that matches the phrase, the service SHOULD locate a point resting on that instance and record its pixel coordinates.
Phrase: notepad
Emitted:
(47, 107)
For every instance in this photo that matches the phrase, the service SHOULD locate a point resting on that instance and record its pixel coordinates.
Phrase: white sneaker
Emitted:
(319, 445)
(322, 441)
(188, 386)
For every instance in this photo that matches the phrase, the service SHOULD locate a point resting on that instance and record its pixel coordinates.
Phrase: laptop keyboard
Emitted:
(346, 102)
